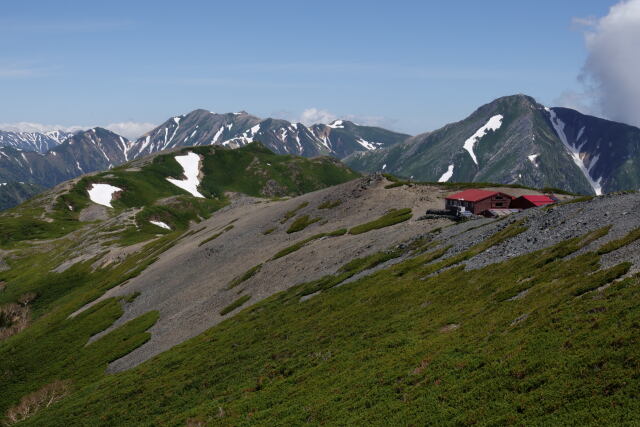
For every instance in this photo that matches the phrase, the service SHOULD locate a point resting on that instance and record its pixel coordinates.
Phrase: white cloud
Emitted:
(610, 73)
(129, 130)
(38, 127)
(312, 116)
(581, 22)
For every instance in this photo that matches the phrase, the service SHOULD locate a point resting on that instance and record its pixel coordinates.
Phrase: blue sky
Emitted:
(408, 65)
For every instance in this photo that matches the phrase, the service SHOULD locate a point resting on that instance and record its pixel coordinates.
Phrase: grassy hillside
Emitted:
(526, 341)
(252, 170)
(51, 263)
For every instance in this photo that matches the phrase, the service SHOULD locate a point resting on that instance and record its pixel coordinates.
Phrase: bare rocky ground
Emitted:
(546, 227)
(188, 283)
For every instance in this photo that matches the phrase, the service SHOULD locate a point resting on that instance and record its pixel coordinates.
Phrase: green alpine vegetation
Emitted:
(237, 303)
(301, 222)
(53, 262)
(330, 204)
(290, 214)
(170, 309)
(394, 216)
(298, 245)
(244, 277)
(252, 170)
(414, 343)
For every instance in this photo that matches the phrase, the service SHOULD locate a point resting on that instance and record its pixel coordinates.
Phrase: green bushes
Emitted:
(394, 216)
(301, 223)
(237, 303)
(212, 237)
(216, 235)
(290, 214)
(298, 245)
(396, 184)
(611, 246)
(373, 352)
(330, 204)
(244, 277)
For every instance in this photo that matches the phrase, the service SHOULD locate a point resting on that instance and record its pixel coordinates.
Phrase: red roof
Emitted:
(539, 200)
(473, 195)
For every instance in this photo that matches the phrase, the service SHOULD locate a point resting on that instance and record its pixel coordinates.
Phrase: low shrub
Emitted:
(34, 402)
(237, 303)
(329, 204)
(290, 214)
(245, 276)
(611, 246)
(301, 223)
(394, 216)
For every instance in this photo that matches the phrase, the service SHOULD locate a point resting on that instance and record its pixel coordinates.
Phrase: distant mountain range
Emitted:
(88, 151)
(512, 140)
(201, 127)
(33, 141)
(13, 193)
(50, 158)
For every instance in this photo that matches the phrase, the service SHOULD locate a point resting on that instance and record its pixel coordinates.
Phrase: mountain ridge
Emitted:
(524, 145)
(511, 140)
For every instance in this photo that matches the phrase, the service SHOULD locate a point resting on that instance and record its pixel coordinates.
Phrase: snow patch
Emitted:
(371, 146)
(160, 224)
(447, 175)
(102, 194)
(574, 152)
(337, 124)
(217, 135)
(254, 130)
(493, 124)
(190, 163)
(384, 166)
(532, 158)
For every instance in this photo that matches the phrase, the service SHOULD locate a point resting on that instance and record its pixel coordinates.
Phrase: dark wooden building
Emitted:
(532, 201)
(478, 201)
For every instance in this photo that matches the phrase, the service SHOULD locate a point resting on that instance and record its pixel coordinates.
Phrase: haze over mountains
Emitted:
(512, 140)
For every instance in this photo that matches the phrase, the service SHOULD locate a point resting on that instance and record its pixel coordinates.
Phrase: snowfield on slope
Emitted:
(447, 175)
(494, 123)
(160, 224)
(102, 194)
(190, 163)
(574, 152)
